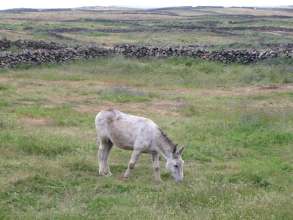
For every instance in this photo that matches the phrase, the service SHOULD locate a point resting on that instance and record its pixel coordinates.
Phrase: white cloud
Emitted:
(4, 4)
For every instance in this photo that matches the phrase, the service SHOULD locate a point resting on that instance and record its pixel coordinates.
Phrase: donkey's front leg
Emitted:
(156, 166)
(134, 157)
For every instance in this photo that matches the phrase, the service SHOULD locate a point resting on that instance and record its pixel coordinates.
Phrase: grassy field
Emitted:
(236, 122)
(203, 26)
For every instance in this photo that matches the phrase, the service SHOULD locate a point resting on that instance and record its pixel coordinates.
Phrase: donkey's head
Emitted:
(175, 164)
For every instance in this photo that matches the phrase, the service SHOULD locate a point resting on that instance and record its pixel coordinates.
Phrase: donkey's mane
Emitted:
(168, 140)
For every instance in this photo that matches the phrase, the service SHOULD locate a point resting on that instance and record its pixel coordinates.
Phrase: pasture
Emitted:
(214, 27)
(235, 120)
(236, 126)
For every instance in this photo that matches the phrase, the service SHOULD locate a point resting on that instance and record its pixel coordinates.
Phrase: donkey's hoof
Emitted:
(158, 181)
(123, 178)
(109, 174)
(101, 173)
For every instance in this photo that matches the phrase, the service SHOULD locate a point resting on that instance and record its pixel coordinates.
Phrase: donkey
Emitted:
(141, 135)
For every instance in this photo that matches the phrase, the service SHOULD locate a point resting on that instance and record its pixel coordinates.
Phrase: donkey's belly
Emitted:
(147, 151)
(129, 145)
(122, 142)
(124, 147)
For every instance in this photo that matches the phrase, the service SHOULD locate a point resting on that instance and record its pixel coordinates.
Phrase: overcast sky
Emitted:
(5, 4)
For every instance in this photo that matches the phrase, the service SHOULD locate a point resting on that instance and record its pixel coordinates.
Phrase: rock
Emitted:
(38, 52)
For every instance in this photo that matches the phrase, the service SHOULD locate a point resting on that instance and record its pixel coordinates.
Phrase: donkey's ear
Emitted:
(181, 150)
(175, 149)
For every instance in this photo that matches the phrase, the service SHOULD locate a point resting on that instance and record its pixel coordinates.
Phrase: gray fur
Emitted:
(141, 135)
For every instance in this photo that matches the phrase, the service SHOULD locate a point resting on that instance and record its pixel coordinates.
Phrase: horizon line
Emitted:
(132, 7)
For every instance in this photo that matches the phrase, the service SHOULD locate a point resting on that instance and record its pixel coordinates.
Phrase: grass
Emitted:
(174, 72)
(61, 115)
(122, 94)
(235, 120)
(31, 26)
(236, 126)
(38, 144)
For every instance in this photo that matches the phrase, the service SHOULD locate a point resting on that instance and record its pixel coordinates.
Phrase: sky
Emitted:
(6, 4)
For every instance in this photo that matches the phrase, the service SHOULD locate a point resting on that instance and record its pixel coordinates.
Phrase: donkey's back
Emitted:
(126, 131)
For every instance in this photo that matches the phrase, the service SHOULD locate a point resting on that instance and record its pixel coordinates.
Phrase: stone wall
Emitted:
(40, 56)
(38, 52)
(227, 56)
(29, 44)
(5, 44)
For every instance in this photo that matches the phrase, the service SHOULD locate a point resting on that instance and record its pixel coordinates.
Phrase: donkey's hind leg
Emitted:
(103, 154)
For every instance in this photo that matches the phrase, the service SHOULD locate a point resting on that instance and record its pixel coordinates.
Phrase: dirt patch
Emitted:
(256, 90)
(277, 88)
(16, 178)
(162, 107)
(271, 87)
(273, 106)
(239, 91)
(167, 107)
(173, 107)
(4, 80)
(36, 121)
(89, 108)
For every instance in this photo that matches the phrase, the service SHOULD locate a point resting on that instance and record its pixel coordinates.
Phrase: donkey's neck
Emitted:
(166, 146)
(166, 153)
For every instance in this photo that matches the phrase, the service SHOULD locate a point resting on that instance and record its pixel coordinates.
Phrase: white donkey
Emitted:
(141, 135)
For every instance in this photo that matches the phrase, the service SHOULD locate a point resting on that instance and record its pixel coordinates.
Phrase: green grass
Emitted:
(39, 144)
(172, 72)
(61, 115)
(30, 26)
(122, 94)
(237, 133)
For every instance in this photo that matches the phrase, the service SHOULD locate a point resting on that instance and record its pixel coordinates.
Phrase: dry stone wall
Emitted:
(26, 44)
(5, 44)
(227, 56)
(38, 52)
(41, 56)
